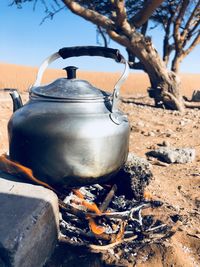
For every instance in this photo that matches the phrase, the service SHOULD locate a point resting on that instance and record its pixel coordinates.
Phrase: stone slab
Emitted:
(29, 219)
(173, 155)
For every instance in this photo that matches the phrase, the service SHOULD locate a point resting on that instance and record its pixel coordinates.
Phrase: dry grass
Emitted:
(21, 77)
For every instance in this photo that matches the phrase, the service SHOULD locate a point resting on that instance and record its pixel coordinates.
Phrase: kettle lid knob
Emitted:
(71, 72)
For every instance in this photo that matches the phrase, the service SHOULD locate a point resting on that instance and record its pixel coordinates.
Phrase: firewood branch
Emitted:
(112, 245)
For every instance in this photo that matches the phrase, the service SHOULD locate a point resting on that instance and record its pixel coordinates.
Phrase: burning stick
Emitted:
(112, 245)
(86, 193)
(78, 193)
(126, 214)
(70, 229)
(156, 227)
(69, 209)
(139, 220)
(108, 198)
(120, 234)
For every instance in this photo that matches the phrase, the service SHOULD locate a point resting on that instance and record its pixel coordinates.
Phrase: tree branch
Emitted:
(166, 46)
(191, 33)
(136, 66)
(121, 39)
(90, 15)
(143, 15)
(102, 33)
(188, 24)
(177, 24)
(121, 20)
(192, 46)
(191, 104)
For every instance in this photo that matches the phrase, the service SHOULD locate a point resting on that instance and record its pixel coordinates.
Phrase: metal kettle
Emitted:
(70, 132)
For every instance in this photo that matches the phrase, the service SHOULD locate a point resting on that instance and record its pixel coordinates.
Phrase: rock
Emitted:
(169, 133)
(166, 143)
(137, 174)
(152, 134)
(182, 123)
(140, 124)
(173, 155)
(196, 96)
(29, 218)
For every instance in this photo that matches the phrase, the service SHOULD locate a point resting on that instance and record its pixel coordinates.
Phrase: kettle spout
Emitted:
(17, 101)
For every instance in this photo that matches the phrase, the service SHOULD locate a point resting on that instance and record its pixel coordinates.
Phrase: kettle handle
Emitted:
(77, 51)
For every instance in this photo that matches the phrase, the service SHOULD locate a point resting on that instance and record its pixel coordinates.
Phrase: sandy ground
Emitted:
(177, 185)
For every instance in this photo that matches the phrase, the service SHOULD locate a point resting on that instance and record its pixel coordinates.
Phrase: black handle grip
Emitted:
(78, 51)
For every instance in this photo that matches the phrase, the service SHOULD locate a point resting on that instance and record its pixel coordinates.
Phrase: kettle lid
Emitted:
(70, 88)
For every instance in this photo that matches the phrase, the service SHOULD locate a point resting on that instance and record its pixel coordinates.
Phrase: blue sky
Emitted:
(24, 41)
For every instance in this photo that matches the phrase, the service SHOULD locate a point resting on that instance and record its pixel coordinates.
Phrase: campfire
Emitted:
(103, 218)
(97, 217)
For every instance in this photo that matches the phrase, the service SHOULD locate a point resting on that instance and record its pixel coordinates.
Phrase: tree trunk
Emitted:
(165, 84)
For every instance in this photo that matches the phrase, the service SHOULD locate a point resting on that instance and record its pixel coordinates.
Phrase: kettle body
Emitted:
(73, 140)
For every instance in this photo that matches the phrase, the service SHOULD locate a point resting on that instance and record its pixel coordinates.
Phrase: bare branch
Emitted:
(121, 21)
(143, 15)
(50, 14)
(191, 104)
(177, 37)
(167, 47)
(191, 33)
(188, 24)
(103, 35)
(192, 46)
(90, 15)
(123, 40)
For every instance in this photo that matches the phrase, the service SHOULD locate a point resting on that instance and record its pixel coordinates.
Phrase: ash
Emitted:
(101, 219)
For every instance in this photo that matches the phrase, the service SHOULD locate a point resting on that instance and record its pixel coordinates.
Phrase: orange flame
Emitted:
(96, 229)
(148, 196)
(78, 193)
(91, 207)
(13, 167)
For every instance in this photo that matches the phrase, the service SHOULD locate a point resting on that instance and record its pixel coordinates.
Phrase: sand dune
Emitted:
(21, 77)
